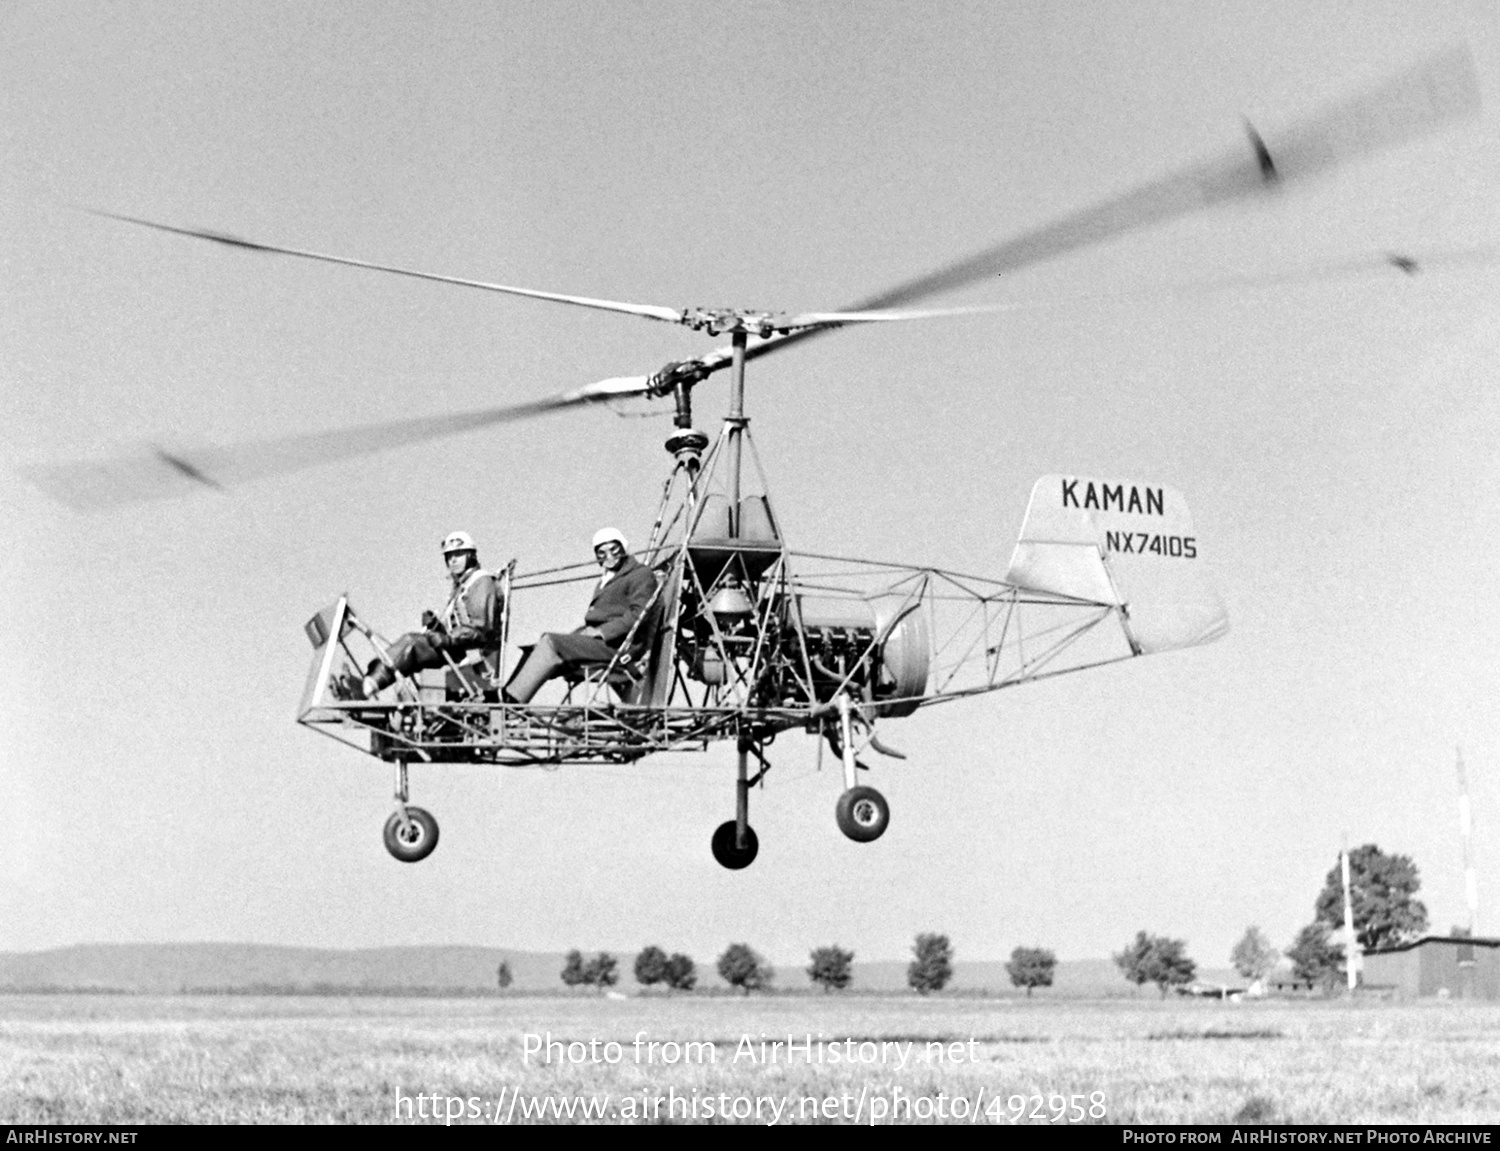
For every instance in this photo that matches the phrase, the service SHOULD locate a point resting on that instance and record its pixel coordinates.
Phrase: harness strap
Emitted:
(457, 611)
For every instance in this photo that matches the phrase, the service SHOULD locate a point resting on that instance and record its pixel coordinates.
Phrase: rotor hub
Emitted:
(687, 444)
(715, 321)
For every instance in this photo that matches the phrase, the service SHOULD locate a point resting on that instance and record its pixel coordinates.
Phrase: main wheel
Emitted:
(862, 814)
(416, 840)
(727, 853)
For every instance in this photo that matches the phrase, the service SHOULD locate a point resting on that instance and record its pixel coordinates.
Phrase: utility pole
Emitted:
(1471, 885)
(1351, 947)
(1466, 827)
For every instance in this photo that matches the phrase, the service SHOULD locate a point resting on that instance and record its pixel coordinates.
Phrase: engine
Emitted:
(876, 649)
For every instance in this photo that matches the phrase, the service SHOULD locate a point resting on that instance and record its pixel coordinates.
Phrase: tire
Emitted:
(862, 814)
(727, 853)
(418, 839)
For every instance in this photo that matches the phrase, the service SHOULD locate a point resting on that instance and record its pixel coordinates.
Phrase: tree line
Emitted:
(830, 967)
(1385, 912)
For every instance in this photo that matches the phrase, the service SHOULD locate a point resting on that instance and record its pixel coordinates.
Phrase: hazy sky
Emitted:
(1335, 440)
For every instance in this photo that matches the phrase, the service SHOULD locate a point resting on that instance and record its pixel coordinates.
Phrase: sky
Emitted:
(1333, 437)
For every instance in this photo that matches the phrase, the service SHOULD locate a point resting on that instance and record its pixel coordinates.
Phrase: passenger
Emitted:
(470, 621)
(622, 595)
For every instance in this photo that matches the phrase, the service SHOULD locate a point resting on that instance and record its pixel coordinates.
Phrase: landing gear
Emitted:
(411, 833)
(862, 814)
(734, 843)
(728, 853)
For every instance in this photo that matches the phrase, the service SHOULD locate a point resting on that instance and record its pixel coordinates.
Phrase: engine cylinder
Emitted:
(889, 638)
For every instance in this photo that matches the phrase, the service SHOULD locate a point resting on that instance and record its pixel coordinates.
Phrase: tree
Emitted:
(1382, 891)
(831, 968)
(682, 975)
(1134, 960)
(1170, 965)
(503, 975)
(601, 971)
(1253, 956)
(1156, 959)
(1031, 967)
(651, 966)
(741, 967)
(1316, 957)
(933, 965)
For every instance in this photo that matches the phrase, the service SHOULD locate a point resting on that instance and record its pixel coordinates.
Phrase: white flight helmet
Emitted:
(610, 535)
(458, 542)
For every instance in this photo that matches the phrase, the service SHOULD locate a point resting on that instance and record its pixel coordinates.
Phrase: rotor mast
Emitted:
(679, 379)
(735, 425)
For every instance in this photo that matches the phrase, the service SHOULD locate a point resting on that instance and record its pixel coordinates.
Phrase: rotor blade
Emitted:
(895, 315)
(1381, 263)
(160, 474)
(1438, 91)
(649, 311)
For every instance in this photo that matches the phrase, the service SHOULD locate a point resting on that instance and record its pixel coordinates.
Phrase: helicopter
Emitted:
(744, 637)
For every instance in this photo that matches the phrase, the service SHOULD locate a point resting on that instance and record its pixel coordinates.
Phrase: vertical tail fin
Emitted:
(1124, 543)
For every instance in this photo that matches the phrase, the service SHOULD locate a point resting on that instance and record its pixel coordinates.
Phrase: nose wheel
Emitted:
(411, 833)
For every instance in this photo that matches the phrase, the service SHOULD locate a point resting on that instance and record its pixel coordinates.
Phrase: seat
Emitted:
(629, 673)
(471, 682)
(479, 675)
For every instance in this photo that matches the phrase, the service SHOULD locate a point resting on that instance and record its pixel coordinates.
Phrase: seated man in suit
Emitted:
(623, 593)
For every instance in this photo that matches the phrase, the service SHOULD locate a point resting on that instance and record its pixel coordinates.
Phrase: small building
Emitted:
(1436, 965)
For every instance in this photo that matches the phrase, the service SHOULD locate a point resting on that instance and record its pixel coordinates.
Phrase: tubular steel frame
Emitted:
(985, 635)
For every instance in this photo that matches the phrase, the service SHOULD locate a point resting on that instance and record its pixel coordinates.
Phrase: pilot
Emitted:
(471, 620)
(624, 591)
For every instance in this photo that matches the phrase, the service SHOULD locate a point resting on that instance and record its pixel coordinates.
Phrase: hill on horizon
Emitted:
(174, 968)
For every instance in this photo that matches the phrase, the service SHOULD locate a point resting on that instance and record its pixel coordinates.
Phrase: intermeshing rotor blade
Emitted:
(1436, 92)
(161, 474)
(649, 311)
(1409, 263)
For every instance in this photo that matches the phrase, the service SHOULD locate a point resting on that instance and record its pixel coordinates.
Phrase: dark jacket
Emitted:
(619, 603)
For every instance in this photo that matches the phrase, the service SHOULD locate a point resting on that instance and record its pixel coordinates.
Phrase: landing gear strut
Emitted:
(861, 812)
(734, 843)
(411, 833)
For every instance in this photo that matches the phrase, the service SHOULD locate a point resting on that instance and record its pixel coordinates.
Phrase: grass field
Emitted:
(127, 1059)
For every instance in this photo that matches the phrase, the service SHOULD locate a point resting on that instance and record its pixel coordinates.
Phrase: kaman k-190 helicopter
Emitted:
(746, 637)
